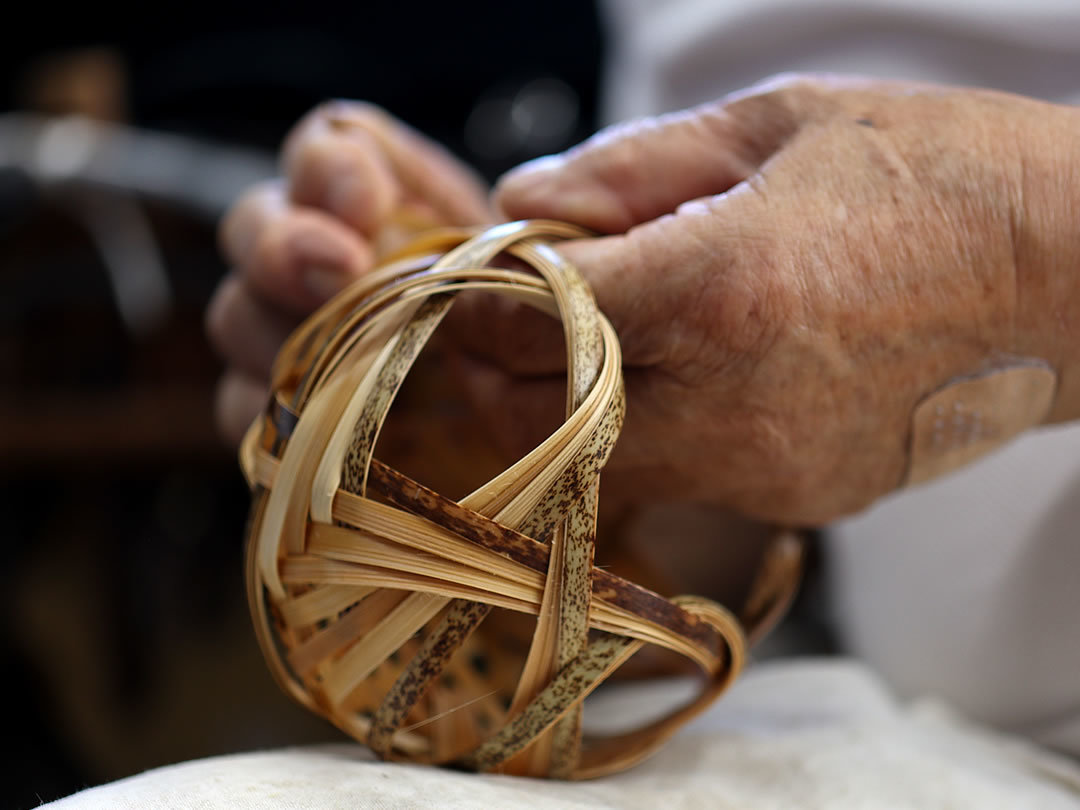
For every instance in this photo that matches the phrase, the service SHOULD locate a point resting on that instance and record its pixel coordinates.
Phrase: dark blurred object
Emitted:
(122, 622)
(88, 82)
(245, 72)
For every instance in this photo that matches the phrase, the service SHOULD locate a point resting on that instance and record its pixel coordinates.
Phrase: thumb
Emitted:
(635, 172)
(626, 274)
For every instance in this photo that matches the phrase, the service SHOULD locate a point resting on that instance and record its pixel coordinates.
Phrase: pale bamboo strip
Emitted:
(333, 318)
(286, 509)
(383, 554)
(386, 306)
(327, 476)
(301, 569)
(577, 430)
(341, 633)
(321, 602)
(416, 532)
(539, 663)
(361, 659)
(257, 608)
(502, 576)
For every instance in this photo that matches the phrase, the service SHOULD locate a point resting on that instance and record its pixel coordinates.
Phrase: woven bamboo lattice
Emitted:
(366, 587)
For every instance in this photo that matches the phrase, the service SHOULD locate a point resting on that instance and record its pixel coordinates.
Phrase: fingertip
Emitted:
(244, 330)
(237, 402)
(246, 219)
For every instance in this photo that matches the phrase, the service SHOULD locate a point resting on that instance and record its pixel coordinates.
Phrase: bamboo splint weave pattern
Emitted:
(366, 587)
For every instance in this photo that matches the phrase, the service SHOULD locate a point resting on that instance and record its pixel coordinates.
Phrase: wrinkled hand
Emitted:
(355, 181)
(790, 271)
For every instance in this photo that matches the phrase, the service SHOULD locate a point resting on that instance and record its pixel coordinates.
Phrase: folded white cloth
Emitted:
(790, 734)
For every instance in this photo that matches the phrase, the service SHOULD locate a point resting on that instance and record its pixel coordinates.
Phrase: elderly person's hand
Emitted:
(355, 182)
(790, 272)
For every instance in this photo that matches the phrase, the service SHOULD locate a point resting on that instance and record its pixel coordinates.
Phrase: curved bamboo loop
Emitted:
(369, 592)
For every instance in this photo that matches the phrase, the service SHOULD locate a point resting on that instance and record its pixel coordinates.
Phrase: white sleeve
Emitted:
(670, 54)
(968, 588)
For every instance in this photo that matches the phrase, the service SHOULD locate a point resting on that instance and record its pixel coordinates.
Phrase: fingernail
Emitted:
(522, 189)
(540, 165)
(532, 172)
(323, 281)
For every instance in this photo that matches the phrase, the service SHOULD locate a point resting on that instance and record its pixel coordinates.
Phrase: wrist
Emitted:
(1047, 249)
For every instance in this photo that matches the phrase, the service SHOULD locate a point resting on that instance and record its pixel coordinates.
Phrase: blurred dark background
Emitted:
(124, 632)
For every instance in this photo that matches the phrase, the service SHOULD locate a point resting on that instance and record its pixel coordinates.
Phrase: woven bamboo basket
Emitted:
(375, 598)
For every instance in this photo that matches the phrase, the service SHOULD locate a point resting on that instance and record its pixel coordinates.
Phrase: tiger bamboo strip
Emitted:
(358, 726)
(630, 599)
(573, 684)
(558, 753)
(303, 570)
(416, 679)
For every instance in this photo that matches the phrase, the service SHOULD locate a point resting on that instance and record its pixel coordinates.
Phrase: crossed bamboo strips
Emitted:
(365, 587)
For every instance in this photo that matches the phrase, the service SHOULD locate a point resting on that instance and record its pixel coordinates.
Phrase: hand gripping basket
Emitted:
(369, 592)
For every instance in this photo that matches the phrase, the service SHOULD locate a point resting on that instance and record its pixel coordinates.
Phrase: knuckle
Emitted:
(791, 89)
(773, 109)
(616, 151)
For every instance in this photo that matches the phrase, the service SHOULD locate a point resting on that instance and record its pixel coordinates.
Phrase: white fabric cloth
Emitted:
(796, 734)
